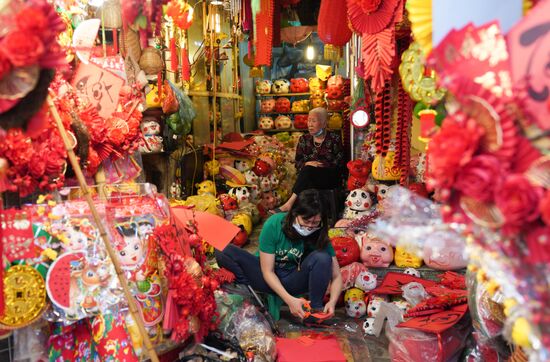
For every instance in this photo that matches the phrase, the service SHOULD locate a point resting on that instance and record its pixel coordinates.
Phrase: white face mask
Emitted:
(304, 231)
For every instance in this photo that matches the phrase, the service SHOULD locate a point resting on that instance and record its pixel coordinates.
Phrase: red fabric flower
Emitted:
(5, 65)
(32, 19)
(538, 244)
(478, 178)
(370, 6)
(450, 149)
(518, 200)
(544, 207)
(23, 48)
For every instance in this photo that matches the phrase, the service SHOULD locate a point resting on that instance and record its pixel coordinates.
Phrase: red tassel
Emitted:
(159, 85)
(1, 272)
(173, 55)
(185, 66)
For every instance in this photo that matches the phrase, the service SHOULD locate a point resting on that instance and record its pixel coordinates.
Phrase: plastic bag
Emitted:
(253, 332)
(407, 344)
(186, 111)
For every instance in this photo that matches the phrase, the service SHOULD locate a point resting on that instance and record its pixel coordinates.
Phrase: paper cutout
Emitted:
(83, 38)
(437, 322)
(529, 46)
(99, 86)
(17, 235)
(393, 282)
(214, 229)
(320, 350)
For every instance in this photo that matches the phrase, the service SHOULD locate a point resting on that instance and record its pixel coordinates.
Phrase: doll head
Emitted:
(131, 249)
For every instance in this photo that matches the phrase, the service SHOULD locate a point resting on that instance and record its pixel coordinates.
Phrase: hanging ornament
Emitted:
(25, 296)
(403, 134)
(420, 87)
(378, 52)
(333, 27)
(263, 36)
(420, 16)
(371, 16)
(180, 13)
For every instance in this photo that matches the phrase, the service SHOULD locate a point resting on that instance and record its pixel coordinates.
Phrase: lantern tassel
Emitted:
(332, 53)
(173, 55)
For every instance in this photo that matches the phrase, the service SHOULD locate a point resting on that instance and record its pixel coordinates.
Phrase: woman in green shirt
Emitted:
(295, 257)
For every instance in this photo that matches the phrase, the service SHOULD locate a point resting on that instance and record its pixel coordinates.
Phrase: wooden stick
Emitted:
(121, 277)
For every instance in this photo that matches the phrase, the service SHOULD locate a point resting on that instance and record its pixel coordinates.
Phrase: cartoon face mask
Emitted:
(375, 252)
(407, 259)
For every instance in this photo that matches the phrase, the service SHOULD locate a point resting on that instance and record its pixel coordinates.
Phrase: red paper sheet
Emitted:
(437, 322)
(306, 349)
(215, 230)
(393, 282)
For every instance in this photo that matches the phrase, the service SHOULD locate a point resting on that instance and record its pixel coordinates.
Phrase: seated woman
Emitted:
(296, 257)
(319, 158)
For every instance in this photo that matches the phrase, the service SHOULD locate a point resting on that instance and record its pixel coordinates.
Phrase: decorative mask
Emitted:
(323, 72)
(228, 202)
(315, 84)
(268, 200)
(336, 81)
(444, 250)
(354, 299)
(240, 193)
(358, 204)
(267, 105)
(366, 281)
(212, 167)
(299, 85)
(206, 187)
(374, 305)
(282, 105)
(375, 252)
(151, 143)
(153, 99)
(280, 86)
(243, 164)
(412, 271)
(368, 326)
(149, 127)
(300, 121)
(300, 106)
(335, 121)
(283, 122)
(263, 86)
(334, 92)
(390, 171)
(261, 168)
(404, 258)
(266, 123)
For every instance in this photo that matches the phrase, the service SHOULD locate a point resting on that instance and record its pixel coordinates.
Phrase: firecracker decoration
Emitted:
(263, 37)
(371, 16)
(190, 303)
(382, 110)
(403, 135)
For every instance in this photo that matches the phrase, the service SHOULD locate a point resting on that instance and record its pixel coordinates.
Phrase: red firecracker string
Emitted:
(382, 111)
(403, 134)
(173, 55)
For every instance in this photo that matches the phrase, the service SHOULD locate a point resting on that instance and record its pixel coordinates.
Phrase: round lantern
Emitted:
(360, 118)
(332, 27)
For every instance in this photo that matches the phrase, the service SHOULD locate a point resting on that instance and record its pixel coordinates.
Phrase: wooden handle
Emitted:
(85, 190)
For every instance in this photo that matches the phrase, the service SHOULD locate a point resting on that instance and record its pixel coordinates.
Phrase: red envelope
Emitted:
(305, 349)
(437, 322)
(393, 282)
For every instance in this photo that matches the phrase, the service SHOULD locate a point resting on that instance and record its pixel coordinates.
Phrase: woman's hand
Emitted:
(296, 307)
(314, 163)
(329, 308)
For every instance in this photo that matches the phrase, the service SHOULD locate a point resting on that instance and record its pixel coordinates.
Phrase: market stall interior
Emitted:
(262, 180)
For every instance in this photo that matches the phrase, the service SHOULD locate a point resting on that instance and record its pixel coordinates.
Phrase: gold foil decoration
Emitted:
(24, 296)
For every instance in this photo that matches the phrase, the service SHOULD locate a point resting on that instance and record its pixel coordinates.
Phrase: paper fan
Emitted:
(374, 22)
(378, 52)
(539, 172)
(483, 214)
(83, 38)
(420, 16)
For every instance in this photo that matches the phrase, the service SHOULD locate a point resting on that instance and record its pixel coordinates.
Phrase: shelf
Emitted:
(292, 130)
(282, 94)
(284, 112)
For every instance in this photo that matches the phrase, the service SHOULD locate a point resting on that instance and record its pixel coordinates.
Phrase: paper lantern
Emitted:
(332, 27)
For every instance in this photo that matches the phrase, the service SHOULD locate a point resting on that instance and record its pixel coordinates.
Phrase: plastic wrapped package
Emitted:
(253, 333)
(411, 345)
(30, 343)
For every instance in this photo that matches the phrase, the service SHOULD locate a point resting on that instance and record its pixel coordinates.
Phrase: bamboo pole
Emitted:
(121, 277)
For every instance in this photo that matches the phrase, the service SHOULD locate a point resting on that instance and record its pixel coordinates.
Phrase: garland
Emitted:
(403, 134)
(382, 111)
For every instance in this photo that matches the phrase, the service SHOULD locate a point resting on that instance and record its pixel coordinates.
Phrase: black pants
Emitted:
(313, 277)
(321, 178)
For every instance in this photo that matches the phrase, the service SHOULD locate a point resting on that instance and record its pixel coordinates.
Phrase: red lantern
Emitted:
(332, 27)
(347, 250)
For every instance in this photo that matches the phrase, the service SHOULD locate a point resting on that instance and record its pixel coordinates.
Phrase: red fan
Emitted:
(372, 22)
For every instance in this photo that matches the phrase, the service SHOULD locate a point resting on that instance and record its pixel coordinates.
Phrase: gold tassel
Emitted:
(332, 52)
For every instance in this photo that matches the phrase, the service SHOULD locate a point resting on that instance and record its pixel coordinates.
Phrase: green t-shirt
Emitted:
(288, 254)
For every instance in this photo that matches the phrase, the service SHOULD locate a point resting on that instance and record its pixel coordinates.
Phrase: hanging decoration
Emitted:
(375, 20)
(332, 28)
(263, 37)
(421, 87)
(371, 16)
(403, 133)
(420, 16)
